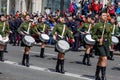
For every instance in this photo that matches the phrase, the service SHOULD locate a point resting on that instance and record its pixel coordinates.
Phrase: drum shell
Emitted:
(114, 41)
(59, 49)
(25, 43)
(42, 39)
(88, 41)
(2, 46)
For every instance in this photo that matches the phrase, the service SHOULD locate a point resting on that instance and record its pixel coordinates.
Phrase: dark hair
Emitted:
(102, 11)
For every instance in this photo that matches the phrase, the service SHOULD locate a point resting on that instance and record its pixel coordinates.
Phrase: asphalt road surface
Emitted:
(44, 69)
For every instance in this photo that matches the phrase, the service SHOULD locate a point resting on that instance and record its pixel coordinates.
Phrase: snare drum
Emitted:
(2, 45)
(62, 46)
(28, 40)
(115, 40)
(89, 40)
(44, 37)
(4, 40)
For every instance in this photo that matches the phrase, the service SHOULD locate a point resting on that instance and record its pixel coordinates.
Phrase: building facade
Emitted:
(31, 6)
(11, 6)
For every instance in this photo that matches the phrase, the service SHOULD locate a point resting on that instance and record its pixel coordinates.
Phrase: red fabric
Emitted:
(70, 41)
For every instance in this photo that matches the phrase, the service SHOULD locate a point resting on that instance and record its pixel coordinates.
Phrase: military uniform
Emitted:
(58, 30)
(42, 28)
(102, 50)
(24, 28)
(86, 28)
(114, 33)
(4, 33)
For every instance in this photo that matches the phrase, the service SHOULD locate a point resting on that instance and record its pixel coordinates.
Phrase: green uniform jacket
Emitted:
(39, 28)
(84, 27)
(97, 30)
(23, 27)
(6, 29)
(59, 29)
(117, 31)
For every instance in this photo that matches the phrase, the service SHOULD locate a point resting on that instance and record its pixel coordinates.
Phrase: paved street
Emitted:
(44, 69)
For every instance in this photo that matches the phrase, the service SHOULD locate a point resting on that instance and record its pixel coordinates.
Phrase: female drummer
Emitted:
(4, 30)
(101, 33)
(84, 30)
(23, 30)
(40, 28)
(115, 32)
(57, 35)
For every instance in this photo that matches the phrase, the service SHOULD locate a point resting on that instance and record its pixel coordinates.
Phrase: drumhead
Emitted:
(63, 44)
(29, 39)
(45, 36)
(89, 38)
(115, 39)
(0, 38)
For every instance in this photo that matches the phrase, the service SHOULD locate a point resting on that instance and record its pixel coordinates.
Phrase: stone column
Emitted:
(24, 6)
(8, 7)
(36, 6)
(0, 7)
(33, 6)
(17, 5)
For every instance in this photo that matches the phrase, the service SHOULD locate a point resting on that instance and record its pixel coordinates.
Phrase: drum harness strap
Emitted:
(28, 28)
(3, 27)
(43, 28)
(62, 35)
(113, 30)
(89, 28)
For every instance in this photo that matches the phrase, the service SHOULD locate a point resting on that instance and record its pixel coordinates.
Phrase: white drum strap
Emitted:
(28, 28)
(89, 28)
(103, 30)
(113, 29)
(43, 28)
(63, 31)
(3, 27)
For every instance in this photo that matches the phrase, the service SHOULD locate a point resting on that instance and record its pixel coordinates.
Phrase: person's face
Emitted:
(112, 20)
(2, 18)
(89, 19)
(62, 20)
(27, 18)
(43, 19)
(104, 16)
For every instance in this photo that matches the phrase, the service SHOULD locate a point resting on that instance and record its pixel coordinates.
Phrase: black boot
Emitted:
(57, 65)
(2, 56)
(103, 73)
(27, 60)
(88, 60)
(111, 54)
(62, 67)
(97, 77)
(42, 53)
(23, 60)
(84, 59)
(91, 53)
(5, 49)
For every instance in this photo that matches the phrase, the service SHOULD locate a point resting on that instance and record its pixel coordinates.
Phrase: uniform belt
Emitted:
(105, 39)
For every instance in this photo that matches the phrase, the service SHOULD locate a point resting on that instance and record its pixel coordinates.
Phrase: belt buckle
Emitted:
(105, 39)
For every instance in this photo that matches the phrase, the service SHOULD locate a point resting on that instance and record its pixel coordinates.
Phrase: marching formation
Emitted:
(95, 32)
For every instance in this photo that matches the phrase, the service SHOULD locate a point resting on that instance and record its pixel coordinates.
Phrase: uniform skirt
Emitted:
(102, 50)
